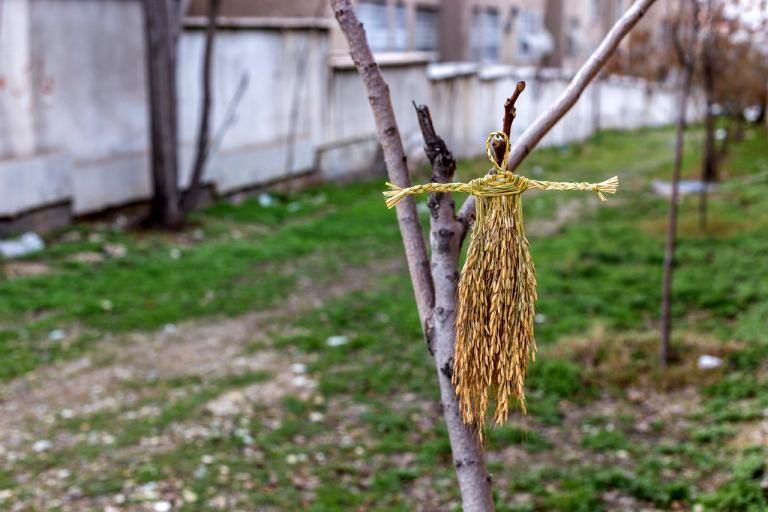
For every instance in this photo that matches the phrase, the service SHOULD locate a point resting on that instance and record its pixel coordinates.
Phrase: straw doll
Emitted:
(497, 288)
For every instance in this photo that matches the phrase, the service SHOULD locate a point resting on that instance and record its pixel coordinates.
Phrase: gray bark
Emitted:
(686, 58)
(669, 251)
(446, 235)
(160, 21)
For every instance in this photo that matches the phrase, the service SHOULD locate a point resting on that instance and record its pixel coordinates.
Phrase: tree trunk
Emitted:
(446, 235)
(161, 20)
(709, 162)
(394, 157)
(204, 132)
(669, 252)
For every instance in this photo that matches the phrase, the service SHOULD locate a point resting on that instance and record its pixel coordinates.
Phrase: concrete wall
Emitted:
(74, 121)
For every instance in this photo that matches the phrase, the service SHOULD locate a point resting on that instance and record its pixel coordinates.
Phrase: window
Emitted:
(427, 36)
(400, 32)
(573, 37)
(618, 9)
(485, 35)
(373, 15)
(595, 10)
(530, 24)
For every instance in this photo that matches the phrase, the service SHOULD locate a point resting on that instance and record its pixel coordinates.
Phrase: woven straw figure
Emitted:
(497, 289)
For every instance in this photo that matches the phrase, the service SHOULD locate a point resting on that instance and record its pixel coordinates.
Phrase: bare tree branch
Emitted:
(534, 133)
(192, 196)
(230, 116)
(445, 238)
(509, 116)
(394, 156)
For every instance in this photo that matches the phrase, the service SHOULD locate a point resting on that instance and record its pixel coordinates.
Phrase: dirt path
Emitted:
(100, 381)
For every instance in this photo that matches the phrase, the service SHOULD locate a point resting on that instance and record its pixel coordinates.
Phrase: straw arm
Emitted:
(395, 194)
(608, 186)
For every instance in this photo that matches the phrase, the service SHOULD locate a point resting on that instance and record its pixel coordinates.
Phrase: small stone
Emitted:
(6, 494)
(169, 328)
(42, 445)
(337, 341)
(71, 236)
(161, 506)
(230, 403)
(57, 335)
(87, 257)
(200, 472)
(707, 362)
(115, 250)
(316, 417)
(189, 495)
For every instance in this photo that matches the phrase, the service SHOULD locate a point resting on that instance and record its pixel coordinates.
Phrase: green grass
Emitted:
(381, 440)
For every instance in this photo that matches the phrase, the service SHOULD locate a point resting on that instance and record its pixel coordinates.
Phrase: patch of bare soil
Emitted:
(101, 381)
(18, 269)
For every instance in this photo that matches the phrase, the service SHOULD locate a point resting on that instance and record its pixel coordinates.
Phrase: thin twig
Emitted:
(230, 116)
(192, 196)
(510, 112)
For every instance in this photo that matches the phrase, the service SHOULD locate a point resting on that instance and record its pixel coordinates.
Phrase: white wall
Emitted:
(74, 123)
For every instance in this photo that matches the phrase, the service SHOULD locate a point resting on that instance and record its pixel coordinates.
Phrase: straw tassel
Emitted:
(497, 289)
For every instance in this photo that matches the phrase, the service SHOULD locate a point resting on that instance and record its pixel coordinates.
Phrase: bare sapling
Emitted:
(435, 281)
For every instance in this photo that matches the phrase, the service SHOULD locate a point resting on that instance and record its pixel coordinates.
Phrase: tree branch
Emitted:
(394, 156)
(509, 116)
(446, 235)
(190, 199)
(534, 133)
